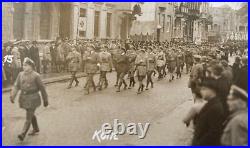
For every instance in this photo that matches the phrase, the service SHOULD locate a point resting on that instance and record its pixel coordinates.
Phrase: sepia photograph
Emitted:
(125, 73)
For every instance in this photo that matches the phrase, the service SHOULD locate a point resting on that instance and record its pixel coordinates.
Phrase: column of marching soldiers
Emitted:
(211, 79)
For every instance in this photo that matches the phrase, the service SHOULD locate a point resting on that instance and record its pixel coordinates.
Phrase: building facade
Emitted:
(46, 21)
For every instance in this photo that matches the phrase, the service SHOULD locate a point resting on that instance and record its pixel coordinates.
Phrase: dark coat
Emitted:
(208, 127)
(242, 79)
(122, 63)
(34, 55)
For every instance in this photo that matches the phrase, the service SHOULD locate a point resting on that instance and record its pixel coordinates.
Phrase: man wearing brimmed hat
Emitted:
(208, 125)
(236, 130)
(29, 83)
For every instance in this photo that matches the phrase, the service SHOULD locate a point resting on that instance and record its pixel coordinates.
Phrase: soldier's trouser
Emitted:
(73, 78)
(141, 86)
(121, 80)
(30, 119)
(160, 69)
(103, 78)
(117, 78)
(131, 78)
(149, 78)
(187, 67)
(90, 81)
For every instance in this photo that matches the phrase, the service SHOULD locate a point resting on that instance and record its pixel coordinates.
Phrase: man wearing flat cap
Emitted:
(236, 130)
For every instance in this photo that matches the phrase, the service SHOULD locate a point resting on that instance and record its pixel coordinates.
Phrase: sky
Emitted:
(234, 5)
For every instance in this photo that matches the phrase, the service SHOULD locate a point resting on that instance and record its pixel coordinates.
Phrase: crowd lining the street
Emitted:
(220, 91)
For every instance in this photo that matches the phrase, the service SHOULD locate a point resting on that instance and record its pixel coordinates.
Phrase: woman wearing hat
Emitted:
(29, 83)
(141, 67)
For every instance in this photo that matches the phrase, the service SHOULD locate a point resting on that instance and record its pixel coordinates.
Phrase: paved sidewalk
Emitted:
(51, 78)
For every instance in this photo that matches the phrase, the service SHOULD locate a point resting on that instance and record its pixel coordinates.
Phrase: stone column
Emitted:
(7, 26)
(32, 21)
(103, 21)
(90, 21)
(54, 21)
(75, 8)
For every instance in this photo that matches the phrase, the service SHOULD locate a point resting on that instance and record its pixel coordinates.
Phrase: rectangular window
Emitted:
(97, 24)
(108, 27)
(82, 12)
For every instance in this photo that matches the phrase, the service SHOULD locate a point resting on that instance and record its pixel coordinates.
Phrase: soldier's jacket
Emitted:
(141, 64)
(105, 61)
(74, 59)
(90, 60)
(151, 59)
(122, 63)
(172, 60)
(30, 84)
(132, 56)
(161, 59)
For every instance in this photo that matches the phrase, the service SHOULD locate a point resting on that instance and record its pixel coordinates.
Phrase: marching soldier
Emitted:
(172, 65)
(105, 62)
(73, 59)
(122, 63)
(161, 61)
(141, 67)
(151, 59)
(90, 60)
(132, 56)
(29, 83)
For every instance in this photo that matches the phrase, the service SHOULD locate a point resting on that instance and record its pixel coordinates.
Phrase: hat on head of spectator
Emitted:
(239, 93)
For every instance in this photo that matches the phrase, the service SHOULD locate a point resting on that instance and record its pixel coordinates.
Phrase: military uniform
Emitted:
(132, 56)
(141, 67)
(172, 65)
(161, 61)
(30, 84)
(73, 59)
(90, 60)
(151, 65)
(122, 68)
(105, 62)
